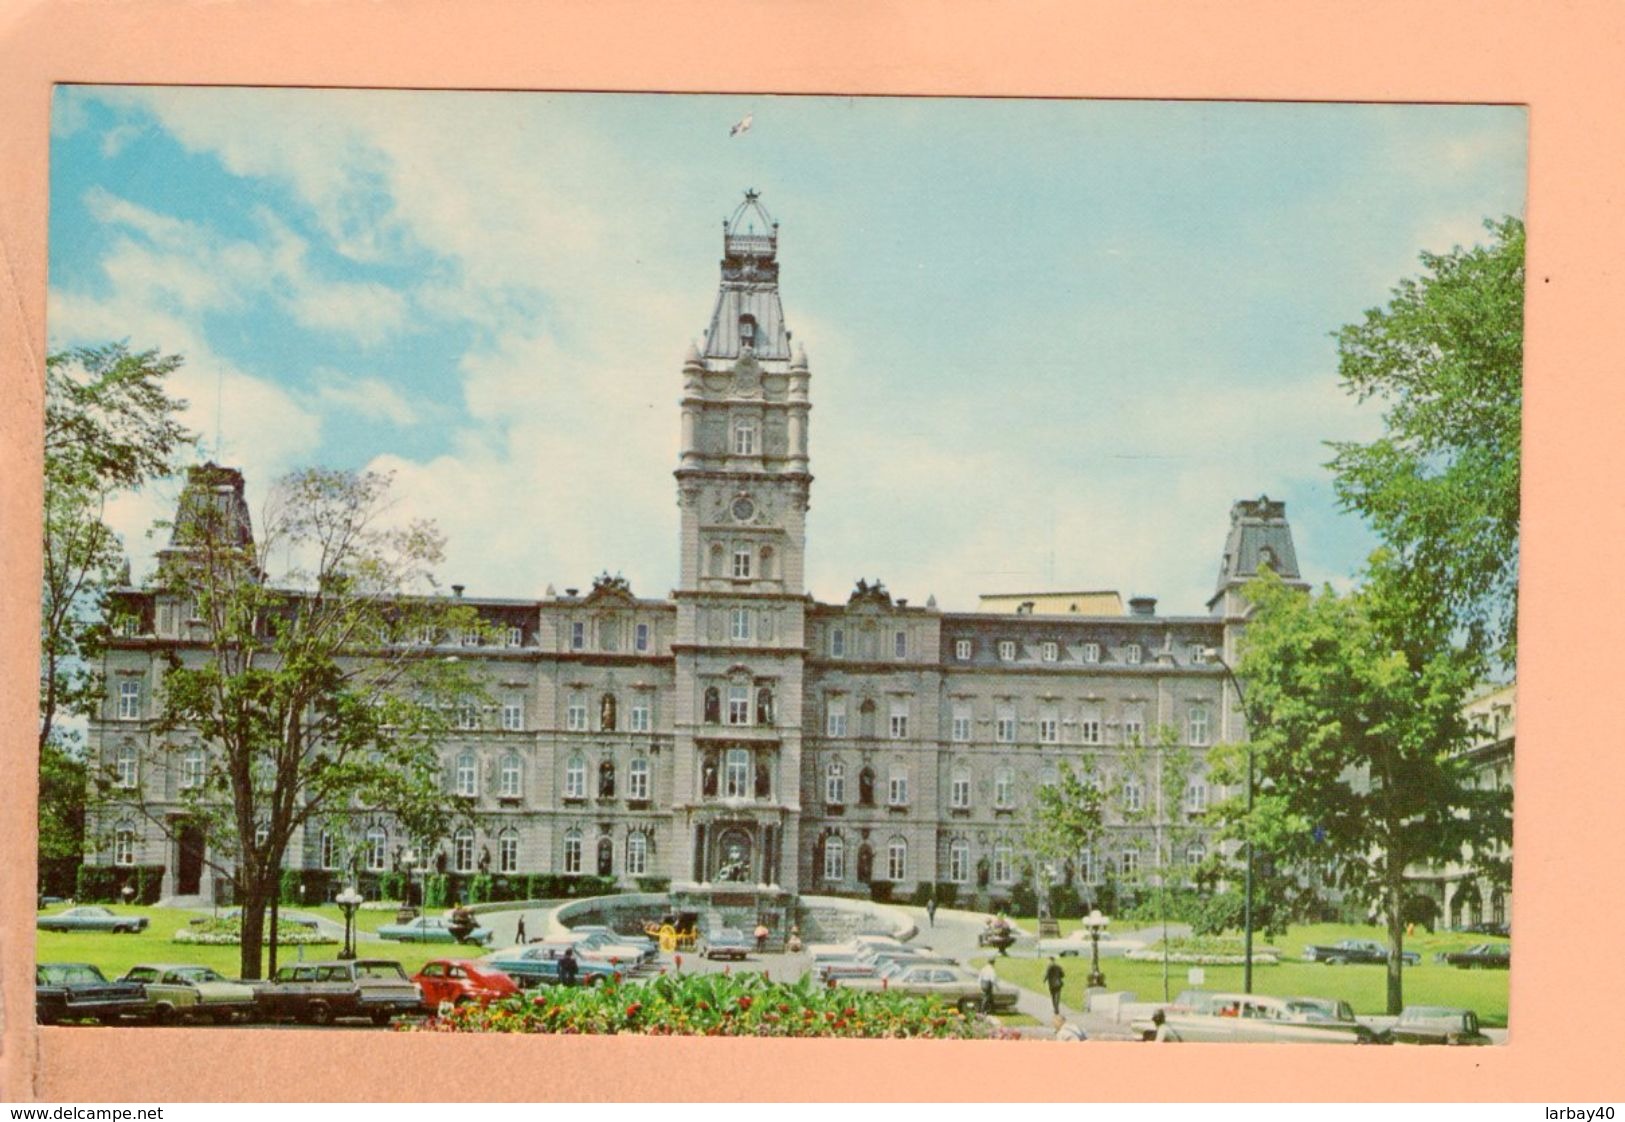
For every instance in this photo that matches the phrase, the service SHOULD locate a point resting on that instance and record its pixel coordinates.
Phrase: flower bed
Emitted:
(1206, 950)
(229, 932)
(717, 1005)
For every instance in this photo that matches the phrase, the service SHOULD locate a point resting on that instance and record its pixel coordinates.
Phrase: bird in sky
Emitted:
(742, 127)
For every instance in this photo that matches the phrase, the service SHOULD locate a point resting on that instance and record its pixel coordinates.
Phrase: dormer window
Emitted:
(747, 331)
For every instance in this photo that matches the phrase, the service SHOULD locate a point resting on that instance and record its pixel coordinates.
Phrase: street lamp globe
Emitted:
(349, 900)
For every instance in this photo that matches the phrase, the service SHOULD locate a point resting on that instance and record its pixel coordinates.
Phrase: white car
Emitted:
(1240, 1018)
(1076, 944)
(175, 991)
(851, 946)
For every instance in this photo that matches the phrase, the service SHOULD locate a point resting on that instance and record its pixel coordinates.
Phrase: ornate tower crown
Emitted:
(748, 313)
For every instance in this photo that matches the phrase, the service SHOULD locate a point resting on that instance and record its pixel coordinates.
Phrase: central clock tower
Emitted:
(742, 485)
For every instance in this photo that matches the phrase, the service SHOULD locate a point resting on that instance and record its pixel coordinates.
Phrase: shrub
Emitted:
(947, 894)
(1065, 901)
(880, 891)
(1023, 898)
(102, 884)
(307, 886)
(228, 931)
(480, 889)
(653, 884)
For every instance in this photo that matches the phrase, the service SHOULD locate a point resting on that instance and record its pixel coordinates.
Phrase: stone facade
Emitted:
(740, 730)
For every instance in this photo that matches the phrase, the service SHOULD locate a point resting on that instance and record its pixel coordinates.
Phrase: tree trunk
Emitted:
(251, 902)
(1395, 893)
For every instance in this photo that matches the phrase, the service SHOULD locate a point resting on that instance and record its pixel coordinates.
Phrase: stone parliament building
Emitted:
(739, 730)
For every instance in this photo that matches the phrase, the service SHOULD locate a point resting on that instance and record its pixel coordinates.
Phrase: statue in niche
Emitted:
(866, 863)
(713, 705)
(735, 868)
(764, 706)
(606, 857)
(764, 782)
(606, 713)
(485, 859)
(866, 787)
(708, 777)
(606, 780)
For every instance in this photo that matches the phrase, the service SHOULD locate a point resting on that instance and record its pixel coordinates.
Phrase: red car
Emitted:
(457, 981)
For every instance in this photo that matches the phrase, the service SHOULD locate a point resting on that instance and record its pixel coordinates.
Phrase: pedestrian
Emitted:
(1066, 1030)
(1054, 977)
(569, 969)
(794, 945)
(989, 978)
(761, 937)
(931, 910)
(519, 935)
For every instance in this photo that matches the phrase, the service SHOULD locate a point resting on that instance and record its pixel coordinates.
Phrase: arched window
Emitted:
(468, 776)
(715, 566)
(508, 852)
(572, 851)
(192, 767)
(713, 705)
(128, 765)
(377, 847)
(959, 788)
(834, 858)
(897, 860)
(835, 783)
(606, 857)
(1004, 788)
(747, 331)
(124, 845)
(462, 851)
(1004, 865)
(637, 854)
(575, 777)
(1195, 854)
(329, 853)
(959, 861)
(736, 773)
(512, 776)
(866, 718)
(637, 779)
(866, 787)
(897, 786)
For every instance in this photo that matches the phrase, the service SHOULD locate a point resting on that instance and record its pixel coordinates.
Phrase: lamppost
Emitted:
(408, 859)
(349, 900)
(128, 892)
(1096, 923)
(1212, 654)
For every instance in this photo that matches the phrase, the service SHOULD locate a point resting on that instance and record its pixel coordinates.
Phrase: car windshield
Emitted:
(195, 974)
(390, 971)
(88, 913)
(64, 973)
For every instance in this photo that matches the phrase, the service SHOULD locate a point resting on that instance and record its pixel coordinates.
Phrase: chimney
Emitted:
(1142, 606)
(457, 591)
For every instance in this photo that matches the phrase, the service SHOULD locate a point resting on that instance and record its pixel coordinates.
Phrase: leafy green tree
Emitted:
(110, 427)
(312, 694)
(1445, 356)
(1066, 817)
(1354, 706)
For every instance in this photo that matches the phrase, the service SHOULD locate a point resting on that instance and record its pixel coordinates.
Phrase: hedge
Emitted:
(101, 884)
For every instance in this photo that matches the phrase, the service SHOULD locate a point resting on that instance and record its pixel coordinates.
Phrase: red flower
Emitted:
(784, 1007)
(633, 1009)
(744, 1003)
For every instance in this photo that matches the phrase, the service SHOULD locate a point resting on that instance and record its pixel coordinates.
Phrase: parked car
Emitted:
(69, 990)
(1237, 1018)
(1485, 956)
(851, 946)
(1435, 1024)
(609, 948)
(321, 992)
(451, 981)
(1489, 928)
(953, 984)
(176, 991)
(728, 942)
(643, 943)
(1188, 1001)
(1076, 944)
(870, 964)
(431, 929)
(533, 964)
(1355, 950)
(90, 917)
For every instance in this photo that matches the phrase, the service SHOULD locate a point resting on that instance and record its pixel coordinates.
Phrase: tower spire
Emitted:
(748, 312)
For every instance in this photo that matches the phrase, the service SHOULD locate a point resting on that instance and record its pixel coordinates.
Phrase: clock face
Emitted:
(743, 509)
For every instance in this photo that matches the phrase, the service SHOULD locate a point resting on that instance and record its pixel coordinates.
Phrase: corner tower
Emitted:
(742, 483)
(1260, 537)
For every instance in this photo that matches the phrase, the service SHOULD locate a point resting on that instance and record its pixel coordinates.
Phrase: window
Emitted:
(575, 778)
(426, 636)
(1049, 725)
(745, 438)
(377, 849)
(1004, 788)
(739, 623)
(897, 786)
(962, 649)
(1004, 724)
(1007, 650)
(1198, 724)
(637, 853)
(738, 704)
(1004, 866)
(128, 766)
(837, 642)
(637, 780)
(959, 789)
(1195, 854)
(747, 332)
(1133, 724)
(466, 778)
(899, 719)
(1131, 654)
(1088, 869)
(578, 636)
(640, 637)
(1089, 724)
(1129, 864)
(192, 767)
(900, 645)
(1050, 652)
(516, 636)
(835, 717)
(508, 852)
(575, 717)
(641, 721)
(513, 716)
(1091, 652)
(329, 850)
(462, 851)
(960, 730)
(959, 861)
(468, 715)
(572, 851)
(512, 776)
(835, 784)
(742, 562)
(834, 858)
(897, 860)
(471, 637)
(128, 626)
(1133, 794)
(124, 846)
(736, 773)
(129, 701)
(1198, 654)
(1196, 797)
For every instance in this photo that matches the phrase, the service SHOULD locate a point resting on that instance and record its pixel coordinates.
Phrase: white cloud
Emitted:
(372, 398)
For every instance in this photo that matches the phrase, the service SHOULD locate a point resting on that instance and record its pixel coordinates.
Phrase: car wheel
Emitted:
(382, 1017)
(320, 1013)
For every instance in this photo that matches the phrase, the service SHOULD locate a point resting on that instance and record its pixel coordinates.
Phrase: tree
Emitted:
(312, 694)
(1066, 817)
(1354, 707)
(110, 426)
(1441, 485)
(1172, 765)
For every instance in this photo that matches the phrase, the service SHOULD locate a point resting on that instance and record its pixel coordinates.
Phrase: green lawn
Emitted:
(115, 954)
(1364, 987)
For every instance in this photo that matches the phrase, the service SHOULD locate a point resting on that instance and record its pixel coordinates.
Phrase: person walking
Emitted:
(761, 937)
(569, 969)
(988, 977)
(931, 910)
(519, 934)
(1054, 978)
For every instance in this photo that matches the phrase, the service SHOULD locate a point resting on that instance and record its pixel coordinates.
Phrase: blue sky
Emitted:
(1051, 341)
